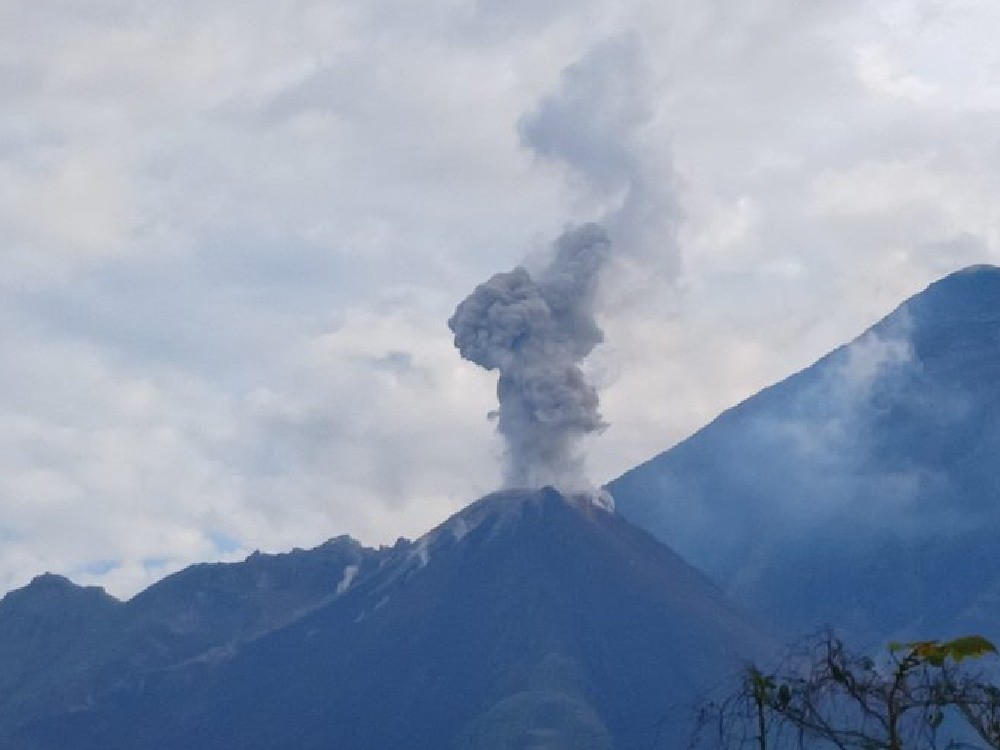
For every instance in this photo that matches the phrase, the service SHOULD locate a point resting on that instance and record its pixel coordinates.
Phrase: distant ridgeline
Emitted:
(527, 620)
(863, 492)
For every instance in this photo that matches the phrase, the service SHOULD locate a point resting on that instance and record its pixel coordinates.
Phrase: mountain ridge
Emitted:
(529, 618)
(62, 644)
(872, 465)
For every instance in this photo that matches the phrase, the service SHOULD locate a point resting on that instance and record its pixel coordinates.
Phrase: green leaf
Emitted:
(936, 653)
(970, 646)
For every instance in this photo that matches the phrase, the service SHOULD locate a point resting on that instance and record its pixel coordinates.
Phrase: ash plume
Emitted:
(536, 333)
(596, 126)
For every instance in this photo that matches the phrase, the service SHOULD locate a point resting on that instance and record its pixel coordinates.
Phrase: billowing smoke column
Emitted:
(536, 332)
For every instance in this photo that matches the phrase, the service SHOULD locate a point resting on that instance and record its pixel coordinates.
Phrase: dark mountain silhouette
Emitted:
(529, 620)
(42, 626)
(63, 646)
(863, 492)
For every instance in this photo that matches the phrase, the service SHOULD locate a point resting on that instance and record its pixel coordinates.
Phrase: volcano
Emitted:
(862, 493)
(528, 620)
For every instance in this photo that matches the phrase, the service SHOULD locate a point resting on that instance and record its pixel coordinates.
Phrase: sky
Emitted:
(232, 235)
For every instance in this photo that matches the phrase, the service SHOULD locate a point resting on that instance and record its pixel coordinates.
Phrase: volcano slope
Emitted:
(863, 492)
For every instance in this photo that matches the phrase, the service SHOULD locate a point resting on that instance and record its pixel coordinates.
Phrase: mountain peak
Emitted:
(344, 542)
(506, 501)
(503, 509)
(976, 269)
(987, 268)
(51, 582)
(969, 294)
(53, 590)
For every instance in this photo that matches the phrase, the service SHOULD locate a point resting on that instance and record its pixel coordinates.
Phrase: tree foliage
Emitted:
(923, 695)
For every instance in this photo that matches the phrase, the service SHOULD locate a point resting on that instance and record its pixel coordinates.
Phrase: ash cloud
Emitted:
(536, 333)
(537, 330)
(596, 125)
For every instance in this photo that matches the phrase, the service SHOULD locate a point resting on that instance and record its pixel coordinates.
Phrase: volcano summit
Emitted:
(527, 620)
